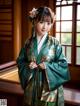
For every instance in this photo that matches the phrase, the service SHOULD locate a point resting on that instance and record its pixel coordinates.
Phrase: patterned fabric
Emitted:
(43, 87)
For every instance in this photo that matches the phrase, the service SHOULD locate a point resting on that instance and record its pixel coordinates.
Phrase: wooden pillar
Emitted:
(17, 27)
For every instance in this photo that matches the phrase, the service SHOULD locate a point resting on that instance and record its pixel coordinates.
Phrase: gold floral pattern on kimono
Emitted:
(55, 74)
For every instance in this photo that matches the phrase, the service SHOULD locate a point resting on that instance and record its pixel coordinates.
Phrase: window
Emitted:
(68, 29)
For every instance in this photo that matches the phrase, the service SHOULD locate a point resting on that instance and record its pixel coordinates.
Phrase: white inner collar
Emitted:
(40, 41)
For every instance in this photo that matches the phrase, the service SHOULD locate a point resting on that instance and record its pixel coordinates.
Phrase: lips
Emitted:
(43, 30)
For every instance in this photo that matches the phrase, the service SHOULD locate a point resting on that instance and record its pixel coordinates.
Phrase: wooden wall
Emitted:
(10, 30)
(6, 31)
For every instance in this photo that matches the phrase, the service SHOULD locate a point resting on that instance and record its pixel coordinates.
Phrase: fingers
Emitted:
(32, 65)
(42, 66)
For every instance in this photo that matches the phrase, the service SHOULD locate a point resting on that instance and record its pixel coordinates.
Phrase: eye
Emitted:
(41, 22)
(48, 23)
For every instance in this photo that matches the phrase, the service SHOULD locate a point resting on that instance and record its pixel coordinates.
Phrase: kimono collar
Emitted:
(41, 39)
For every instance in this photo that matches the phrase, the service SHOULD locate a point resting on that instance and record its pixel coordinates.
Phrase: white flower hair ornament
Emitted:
(33, 13)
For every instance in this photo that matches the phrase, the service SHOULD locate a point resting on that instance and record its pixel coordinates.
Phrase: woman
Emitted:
(42, 66)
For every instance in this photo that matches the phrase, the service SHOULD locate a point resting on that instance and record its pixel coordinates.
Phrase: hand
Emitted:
(33, 65)
(42, 66)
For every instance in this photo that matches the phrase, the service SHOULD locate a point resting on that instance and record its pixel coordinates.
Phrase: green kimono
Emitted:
(43, 87)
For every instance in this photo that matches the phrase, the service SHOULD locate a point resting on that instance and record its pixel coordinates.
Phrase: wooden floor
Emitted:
(72, 96)
(11, 75)
(9, 83)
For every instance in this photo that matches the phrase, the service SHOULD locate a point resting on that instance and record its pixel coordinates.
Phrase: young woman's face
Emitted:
(43, 26)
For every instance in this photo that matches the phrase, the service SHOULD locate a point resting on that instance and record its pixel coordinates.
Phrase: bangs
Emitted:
(46, 19)
(44, 15)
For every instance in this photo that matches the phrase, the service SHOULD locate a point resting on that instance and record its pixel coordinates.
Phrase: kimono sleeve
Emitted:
(23, 68)
(57, 72)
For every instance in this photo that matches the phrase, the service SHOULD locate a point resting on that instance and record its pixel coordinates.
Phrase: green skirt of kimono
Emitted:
(43, 103)
(58, 102)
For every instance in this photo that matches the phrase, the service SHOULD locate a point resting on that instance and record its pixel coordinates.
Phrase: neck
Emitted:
(41, 35)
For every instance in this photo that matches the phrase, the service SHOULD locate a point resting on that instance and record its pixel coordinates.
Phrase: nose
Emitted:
(44, 25)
